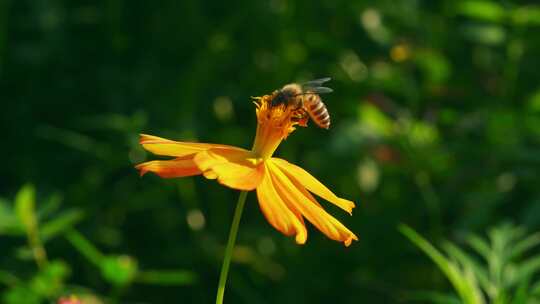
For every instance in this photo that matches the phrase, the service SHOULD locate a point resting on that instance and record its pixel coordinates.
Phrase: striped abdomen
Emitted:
(317, 110)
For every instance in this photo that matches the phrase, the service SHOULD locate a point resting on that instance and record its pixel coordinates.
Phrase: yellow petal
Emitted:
(170, 168)
(277, 213)
(231, 167)
(295, 199)
(162, 146)
(312, 184)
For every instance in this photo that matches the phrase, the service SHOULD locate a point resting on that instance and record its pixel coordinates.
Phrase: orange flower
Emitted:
(283, 189)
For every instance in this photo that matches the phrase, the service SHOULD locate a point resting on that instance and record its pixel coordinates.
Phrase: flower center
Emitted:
(274, 124)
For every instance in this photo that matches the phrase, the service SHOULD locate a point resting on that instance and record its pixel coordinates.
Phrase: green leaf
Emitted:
(85, 247)
(469, 262)
(533, 102)
(527, 269)
(521, 296)
(526, 15)
(167, 277)
(21, 294)
(491, 35)
(374, 120)
(524, 245)
(119, 270)
(475, 294)
(50, 205)
(434, 65)
(9, 223)
(464, 285)
(60, 224)
(8, 279)
(24, 253)
(480, 245)
(25, 207)
(49, 281)
(501, 235)
(535, 289)
(482, 10)
(421, 134)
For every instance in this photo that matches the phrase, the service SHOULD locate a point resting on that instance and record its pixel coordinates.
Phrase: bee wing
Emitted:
(316, 82)
(315, 86)
(320, 90)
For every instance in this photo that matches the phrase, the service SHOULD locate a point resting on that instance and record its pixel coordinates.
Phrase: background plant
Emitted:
(500, 269)
(48, 281)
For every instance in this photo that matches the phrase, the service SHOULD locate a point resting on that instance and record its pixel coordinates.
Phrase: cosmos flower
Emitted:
(283, 189)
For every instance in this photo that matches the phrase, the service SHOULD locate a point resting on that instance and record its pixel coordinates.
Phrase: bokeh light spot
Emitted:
(371, 19)
(368, 175)
(266, 246)
(400, 52)
(195, 219)
(353, 66)
(506, 182)
(223, 108)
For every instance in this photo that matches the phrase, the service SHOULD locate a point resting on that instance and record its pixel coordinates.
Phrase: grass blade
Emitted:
(463, 285)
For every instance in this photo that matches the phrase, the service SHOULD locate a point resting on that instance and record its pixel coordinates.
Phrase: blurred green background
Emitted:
(436, 125)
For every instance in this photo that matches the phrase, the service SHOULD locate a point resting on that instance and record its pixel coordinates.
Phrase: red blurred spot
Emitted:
(385, 154)
(69, 300)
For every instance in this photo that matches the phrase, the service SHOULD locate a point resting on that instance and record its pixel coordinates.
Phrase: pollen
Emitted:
(280, 118)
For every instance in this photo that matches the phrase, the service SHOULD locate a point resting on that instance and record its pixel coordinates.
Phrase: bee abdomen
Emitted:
(318, 111)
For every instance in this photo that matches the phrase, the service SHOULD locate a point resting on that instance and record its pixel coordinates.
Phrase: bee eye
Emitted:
(279, 99)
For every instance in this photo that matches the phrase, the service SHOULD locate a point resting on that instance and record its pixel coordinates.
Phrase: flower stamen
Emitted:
(275, 123)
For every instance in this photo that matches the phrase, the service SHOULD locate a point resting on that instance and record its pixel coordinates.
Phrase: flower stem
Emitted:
(230, 246)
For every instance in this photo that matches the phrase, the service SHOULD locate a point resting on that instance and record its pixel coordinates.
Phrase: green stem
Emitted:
(230, 246)
(87, 249)
(40, 255)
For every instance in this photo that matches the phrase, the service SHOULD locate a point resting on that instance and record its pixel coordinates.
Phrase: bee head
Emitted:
(279, 98)
(286, 94)
(282, 97)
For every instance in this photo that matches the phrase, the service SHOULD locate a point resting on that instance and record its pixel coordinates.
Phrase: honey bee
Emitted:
(305, 99)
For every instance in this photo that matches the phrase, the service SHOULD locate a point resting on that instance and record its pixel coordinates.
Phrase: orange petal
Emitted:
(277, 213)
(312, 184)
(231, 167)
(162, 146)
(295, 199)
(170, 168)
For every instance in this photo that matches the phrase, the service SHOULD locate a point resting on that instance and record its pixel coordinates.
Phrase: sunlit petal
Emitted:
(312, 184)
(231, 167)
(162, 146)
(277, 213)
(294, 198)
(170, 168)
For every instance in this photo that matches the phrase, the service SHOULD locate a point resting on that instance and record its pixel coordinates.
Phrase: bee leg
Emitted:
(303, 122)
(301, 117)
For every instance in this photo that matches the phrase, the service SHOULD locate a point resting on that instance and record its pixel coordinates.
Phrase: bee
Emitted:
(305, 99)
